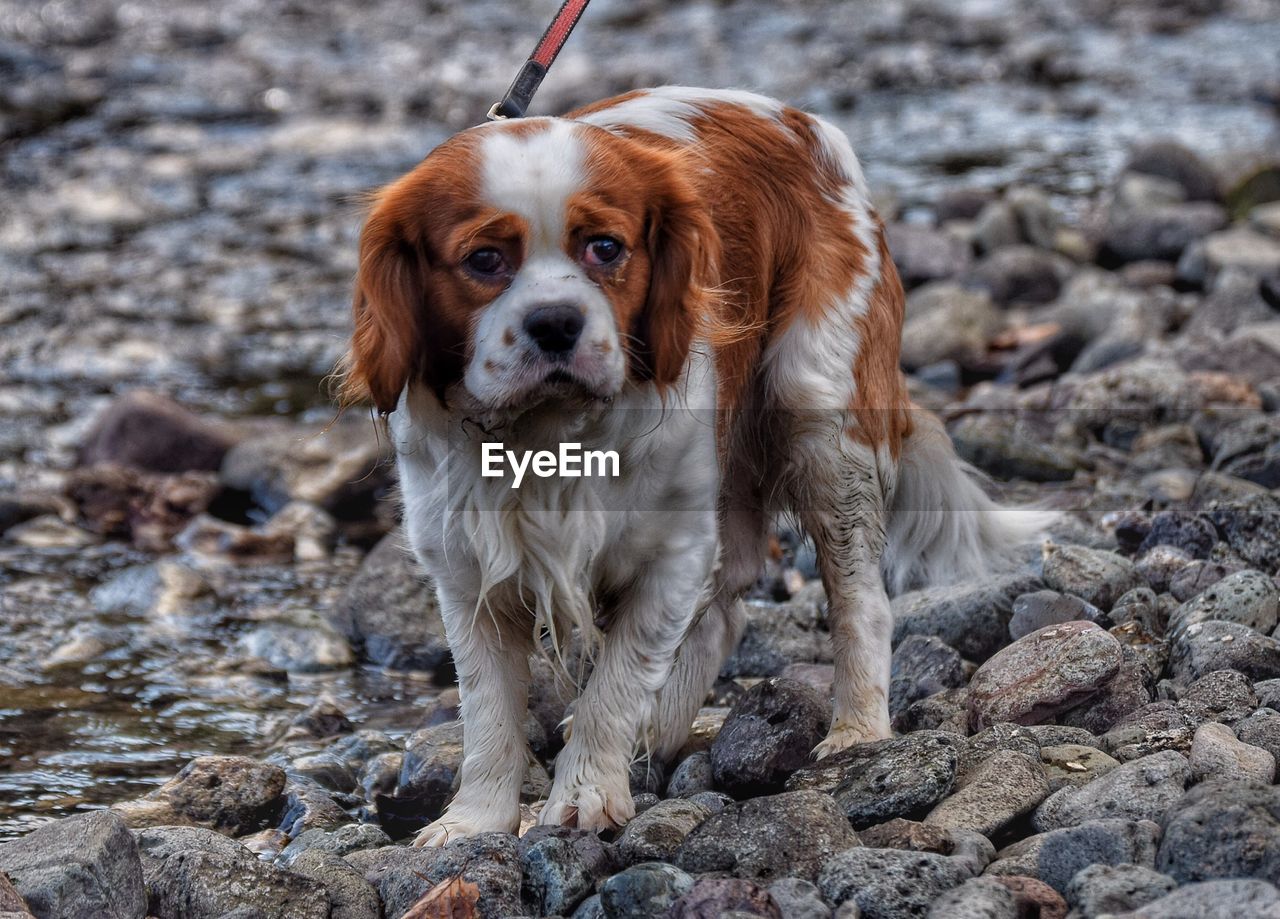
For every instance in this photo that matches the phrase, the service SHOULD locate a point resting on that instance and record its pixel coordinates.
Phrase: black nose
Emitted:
(555, 329)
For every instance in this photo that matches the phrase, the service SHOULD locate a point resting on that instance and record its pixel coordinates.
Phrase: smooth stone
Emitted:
(1003, 788)
(1217, 754)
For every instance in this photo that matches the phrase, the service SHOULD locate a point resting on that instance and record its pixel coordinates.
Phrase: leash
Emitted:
(520, 94)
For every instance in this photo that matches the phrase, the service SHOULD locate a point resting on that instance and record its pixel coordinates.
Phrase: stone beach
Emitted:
(224, 686)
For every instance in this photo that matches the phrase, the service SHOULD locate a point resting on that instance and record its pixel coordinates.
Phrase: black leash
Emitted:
(520, 94)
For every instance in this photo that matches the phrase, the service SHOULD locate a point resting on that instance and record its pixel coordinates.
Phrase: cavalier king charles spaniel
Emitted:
(696, 281)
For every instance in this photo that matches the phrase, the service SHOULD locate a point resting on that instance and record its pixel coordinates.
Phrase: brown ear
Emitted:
(682, 243)
(393, 343)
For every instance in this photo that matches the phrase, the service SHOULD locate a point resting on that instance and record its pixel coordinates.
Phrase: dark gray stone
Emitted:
(1261, 729)
(1230, 899)
(1170, 160)
(769, 733)
(711, 898)
(976, 898)
(1204, 647)
(1245, 597)
(1222, 830)
(1099, 889)
(1041, 608)
(1251, 527)
(1228, 694)
(799, 899)
(778, 634)
(892, 884)
(972, 617)
(656, 835)
(1157, 233)
(1142, 789)
(643, 891)
(350, 895)
(1094, 575)
(691, 776)
(149, 431)
(1066, 851)
(922, 665)
(404, 874)
(561, 867)
(340, 841)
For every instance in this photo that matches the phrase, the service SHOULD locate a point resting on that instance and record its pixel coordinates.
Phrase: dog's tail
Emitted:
(943, 527)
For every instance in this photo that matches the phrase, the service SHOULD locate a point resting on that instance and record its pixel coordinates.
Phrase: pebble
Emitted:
(1160, 232)
(892, 884)
(1094, 575)
(1230, 899)
(311, 648)
(656, 835)
(1171, 160)
(644, 890)
(1005, 787)
(1047, 672)
(1261, 729)
(1064, 852)
(1223, 829)
(1228, 694)
(340, 841)
(943, 711)
(231, 794)
(403, 874)
(1142, 789)
(779, 634)
(1217, 754)
(1021, 275)
(691, 776)
(1100, 889)
(82, 867)
(976, 898)
(1125, 693)
(1242, 248)
(791, 834)
(1034, 897)
(769, 733)
(1160, 726)
(561, 867)
(1251, 527)
(350, 895)
(1004, 736)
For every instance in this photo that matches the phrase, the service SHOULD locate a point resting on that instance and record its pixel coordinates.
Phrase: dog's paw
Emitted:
(844, 736)
(589, 807)
(459, 826)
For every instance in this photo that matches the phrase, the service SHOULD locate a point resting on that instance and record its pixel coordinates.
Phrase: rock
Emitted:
(1170, 160)
(1034, 897)
(561, 867)
(1251, 527)
(961, 331)
(1074, 765)
(1261, 729)
(976, 898)
(1204, 647)
(1247, 597)
(1021, 275)
(404, 874)
(922, 665)
(308, 805)
(1004, 736)
(711, 898)
(1216, 754)
(1099, 889)
(429, 769)
(1006, 786)
(1044, 673)
(779, 634)
(1065, 852)
(1127, 692)
(1094, 575)
(645, 890)
(389, 610)
(943, 711)
(1227, 694)
(149, 431)
(995, 227)
(148, 509)
(1041, 608)
(1155, 728)
(1158, 566)
(972, 617)
(1193, 534)
(692, 775)
(1231, 899)
(323, 719)
(1142, 789)
(874, 782)
(657, 834)
(790, 834)
(1198, 577)
(1242, 248)
(350, 895)
(1037, 220)
(770, 732)
(1161, 232)
(799, 899)
(1048, 735)
(82, 867)
(199, 874)
(923, 254)
(1267, 694)
(1000, 444)
(342, 841)
(231, 794)
(891, 884)
(1223, 829)
(312, 648)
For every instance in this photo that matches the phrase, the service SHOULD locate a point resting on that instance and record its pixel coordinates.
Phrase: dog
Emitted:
(697, 281)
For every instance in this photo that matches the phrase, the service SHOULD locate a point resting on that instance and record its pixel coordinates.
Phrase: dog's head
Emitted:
(530, 260)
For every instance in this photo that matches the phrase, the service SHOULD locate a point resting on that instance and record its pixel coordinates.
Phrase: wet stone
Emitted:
(231, 794)
(403, 874)
(561, 867)
(769, 733)
(350, 895)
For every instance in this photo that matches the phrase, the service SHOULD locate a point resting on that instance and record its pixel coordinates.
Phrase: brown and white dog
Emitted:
(696, 280)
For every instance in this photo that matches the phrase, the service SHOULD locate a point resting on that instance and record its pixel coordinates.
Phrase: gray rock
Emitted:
(1006, 786)
(1074, 765)
(1045, 673)
(1228, 694)
(976, 898)
(1170, 160)
(350, 895)
(341, 841)
(1065, 852)
(943, 711)
(432, 758)
(1267, 693)
(1155, 728)
(1251, 527)
(892, 884)
(1192, 534)
(1198, 577)
(1161, 232)
(960, 332)
(389, 610)
(995, 227)
(231, 794)
(770, 732)
(799, 899)
(691, 776)
(1127, 692)
(1222, 830)
(713, 897)
(779, 634)
(1231, 899)
(1000, 444)
(1246, 597)
(149, 431)
(561, 867)
(199, 874)
(309, 648)
(972, 617)
(1142, 789)
(1041, 608)
(643, 891)
(1261, 729)
(656, 835)
(307, 805)
(922, 665)
(1048, 735)
(403, 874)
(1021, 275)
(1241, 248)
(1094, 575)
(82, 867)
(1217, 754)
(1004, 736)
(1204, 647)
(1099, 889)
(790, 834)
(874, 782)
(923, 254)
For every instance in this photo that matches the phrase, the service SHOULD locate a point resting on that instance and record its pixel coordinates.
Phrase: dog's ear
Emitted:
(394, 341)
(682, 244)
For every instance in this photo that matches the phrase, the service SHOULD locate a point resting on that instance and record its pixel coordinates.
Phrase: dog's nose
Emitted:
(555, 328)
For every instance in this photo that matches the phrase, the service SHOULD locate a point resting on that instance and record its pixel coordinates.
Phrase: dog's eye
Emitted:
(602, 250)
(486, 261)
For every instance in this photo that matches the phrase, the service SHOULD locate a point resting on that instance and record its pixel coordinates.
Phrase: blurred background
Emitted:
(179, 209)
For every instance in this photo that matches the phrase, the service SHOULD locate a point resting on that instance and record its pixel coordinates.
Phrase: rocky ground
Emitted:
(208, 624)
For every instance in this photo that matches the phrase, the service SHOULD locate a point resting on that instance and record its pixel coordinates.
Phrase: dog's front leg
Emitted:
(492, 659)
(592, 787)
